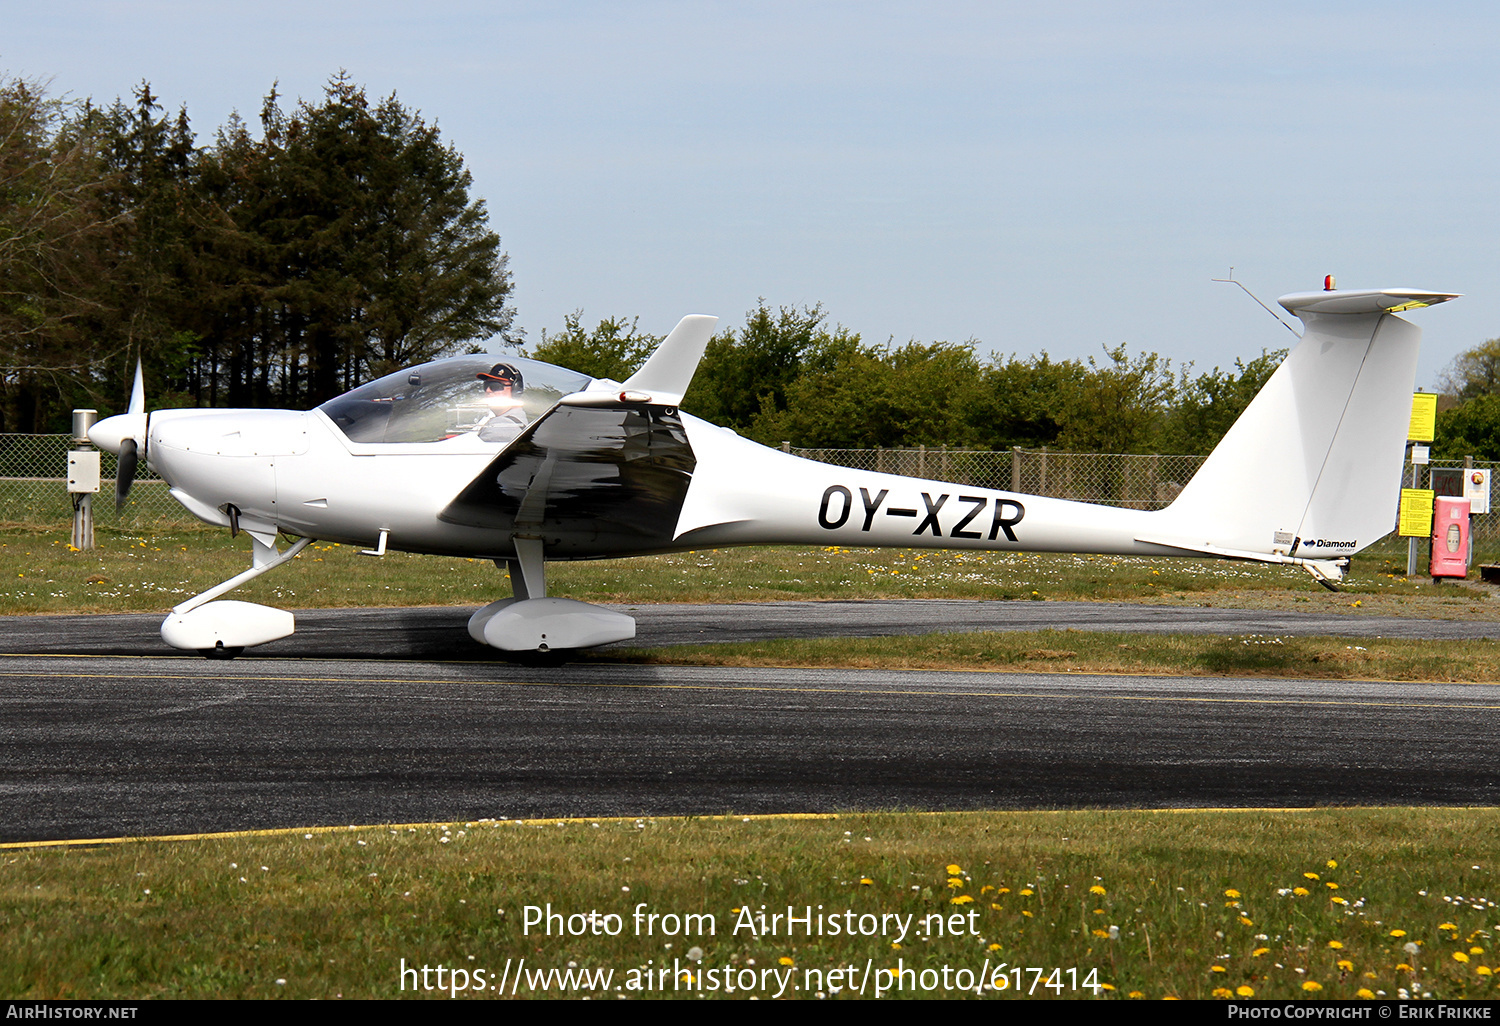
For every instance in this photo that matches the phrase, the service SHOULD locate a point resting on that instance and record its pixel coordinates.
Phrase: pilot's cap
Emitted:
(502, 374)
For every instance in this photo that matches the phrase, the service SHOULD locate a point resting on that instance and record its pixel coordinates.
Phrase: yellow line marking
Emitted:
(728, 817)
(789, 690)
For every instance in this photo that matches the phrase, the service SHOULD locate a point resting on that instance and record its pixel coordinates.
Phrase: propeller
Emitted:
(125, 474)
(129, 453)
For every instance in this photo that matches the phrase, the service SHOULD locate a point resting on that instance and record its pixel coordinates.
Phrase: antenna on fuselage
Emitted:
(1231, 280)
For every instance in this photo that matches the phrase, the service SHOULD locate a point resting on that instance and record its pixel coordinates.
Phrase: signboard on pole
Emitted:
(1416, 513)
(1423, 417)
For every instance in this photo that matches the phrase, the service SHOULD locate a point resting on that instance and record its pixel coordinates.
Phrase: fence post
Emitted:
(943, 463)
(879, 460)
(1015, 468)
(1042, 476)
(83, 479)
(921, 461)
(786, 446)
(1411, 543)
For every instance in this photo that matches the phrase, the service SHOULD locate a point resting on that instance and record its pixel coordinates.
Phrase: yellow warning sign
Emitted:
(1416, 513)
(1423, 417)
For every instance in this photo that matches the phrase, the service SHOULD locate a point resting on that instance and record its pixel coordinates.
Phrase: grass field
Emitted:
(1269, 904)
(1074, 651)
(39, 574)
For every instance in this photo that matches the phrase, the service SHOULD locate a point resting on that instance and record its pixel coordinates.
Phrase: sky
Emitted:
(1030, 177)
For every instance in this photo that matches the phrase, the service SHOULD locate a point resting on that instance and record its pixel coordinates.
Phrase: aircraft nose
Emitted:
(108, 433)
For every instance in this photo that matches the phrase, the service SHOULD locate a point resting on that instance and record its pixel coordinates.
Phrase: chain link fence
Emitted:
(34, 491)
(1109, 479)
(1112, 479)
(34, 487)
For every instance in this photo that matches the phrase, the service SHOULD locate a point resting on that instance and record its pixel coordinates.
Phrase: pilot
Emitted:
(502, 389)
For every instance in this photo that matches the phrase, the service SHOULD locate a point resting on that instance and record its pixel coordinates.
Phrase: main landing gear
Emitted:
(531, 622)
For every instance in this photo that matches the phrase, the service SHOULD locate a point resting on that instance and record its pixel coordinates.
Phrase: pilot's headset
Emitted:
(504, 374)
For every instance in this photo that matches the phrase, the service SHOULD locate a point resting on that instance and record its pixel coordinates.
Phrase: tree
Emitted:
(746, 372)
(1205, 407)
(55, 235)
(1474, 372)
(1024, 402)
(1117, 407)
(614, 349)
(1472, 429)
(378, 256)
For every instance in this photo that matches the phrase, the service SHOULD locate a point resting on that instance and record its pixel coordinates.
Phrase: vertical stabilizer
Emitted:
(1312, 468)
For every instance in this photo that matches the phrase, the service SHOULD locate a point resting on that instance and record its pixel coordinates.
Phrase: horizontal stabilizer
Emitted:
(668, 373)
(1361, 301)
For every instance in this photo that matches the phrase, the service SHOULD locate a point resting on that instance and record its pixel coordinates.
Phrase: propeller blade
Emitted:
(137, 391)
(125, 475)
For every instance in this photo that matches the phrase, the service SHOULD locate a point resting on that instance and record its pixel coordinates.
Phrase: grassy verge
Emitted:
(150, 573)
(1280, 904)
(1051, 651)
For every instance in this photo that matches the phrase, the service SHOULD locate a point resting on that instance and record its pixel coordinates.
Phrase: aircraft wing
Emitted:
(595, 472)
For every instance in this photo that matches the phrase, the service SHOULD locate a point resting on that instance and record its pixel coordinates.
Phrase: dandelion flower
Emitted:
(784, 960)
(1331, 885)
(955, 882)
(1223, 992)
(955, 869)
(1301, 892)
(1346, 965)
(1398, 933)
(1258, 952)
(1335, 945)
(1331, 864)
(1231, 893)
(1459, 956)
(1366, 993)
(1097, 889)
(1027, 892)
(1312, 985)
(1245, 990)
(1312, 876)
(1247, 921)
(962, 899)
(1484, 970)
(865, 881)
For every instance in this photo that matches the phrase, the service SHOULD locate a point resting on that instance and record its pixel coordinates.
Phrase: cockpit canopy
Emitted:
(447, 398)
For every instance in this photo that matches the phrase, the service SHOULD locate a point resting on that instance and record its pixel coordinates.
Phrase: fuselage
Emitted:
(296, 472)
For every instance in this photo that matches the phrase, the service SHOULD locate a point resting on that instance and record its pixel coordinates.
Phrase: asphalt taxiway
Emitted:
(145, 743)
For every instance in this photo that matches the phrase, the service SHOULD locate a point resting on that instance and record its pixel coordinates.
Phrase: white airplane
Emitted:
(524, 462)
